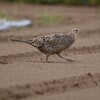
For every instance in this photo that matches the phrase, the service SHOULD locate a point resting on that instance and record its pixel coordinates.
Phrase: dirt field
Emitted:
(24, 74)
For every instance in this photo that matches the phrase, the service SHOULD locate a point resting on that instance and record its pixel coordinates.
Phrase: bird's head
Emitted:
(75, 30)
(74, 33)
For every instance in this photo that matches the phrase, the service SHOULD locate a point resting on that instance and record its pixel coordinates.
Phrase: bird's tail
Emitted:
(32, 41)
(20, 39)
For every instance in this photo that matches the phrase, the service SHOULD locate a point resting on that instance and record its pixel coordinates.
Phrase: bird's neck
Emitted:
(72, 35)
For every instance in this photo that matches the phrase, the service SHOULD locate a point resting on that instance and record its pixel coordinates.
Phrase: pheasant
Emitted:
(52, 43)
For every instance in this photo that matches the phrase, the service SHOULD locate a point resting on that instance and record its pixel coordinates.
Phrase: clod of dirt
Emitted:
(3, 62)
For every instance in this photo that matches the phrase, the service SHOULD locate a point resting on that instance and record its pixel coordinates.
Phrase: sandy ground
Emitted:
(24, 74)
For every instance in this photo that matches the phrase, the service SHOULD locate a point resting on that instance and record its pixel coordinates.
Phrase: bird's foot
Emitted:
(70, 60)
(48, 61)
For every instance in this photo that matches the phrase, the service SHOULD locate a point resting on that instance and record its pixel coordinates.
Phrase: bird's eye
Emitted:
(76, 30)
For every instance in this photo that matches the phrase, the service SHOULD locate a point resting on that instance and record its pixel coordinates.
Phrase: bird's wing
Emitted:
(51, 40)
(59, 40)
(36, 42)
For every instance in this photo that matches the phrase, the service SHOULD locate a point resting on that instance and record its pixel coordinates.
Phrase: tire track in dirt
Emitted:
(85, 50)
(35, 54)
(50, 87)
(83, 33)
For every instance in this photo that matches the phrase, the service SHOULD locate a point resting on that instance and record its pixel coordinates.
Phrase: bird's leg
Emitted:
(47, 57)
(59, 54)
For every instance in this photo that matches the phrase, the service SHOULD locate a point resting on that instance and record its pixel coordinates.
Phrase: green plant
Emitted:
(47, 19)
(3, 14)
(67, 2)
(97, 2)
(92, 2)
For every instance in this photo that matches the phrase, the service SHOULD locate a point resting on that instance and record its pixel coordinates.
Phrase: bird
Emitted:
(50, 44)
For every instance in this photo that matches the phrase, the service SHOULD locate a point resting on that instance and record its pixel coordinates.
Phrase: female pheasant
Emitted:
(52, 43)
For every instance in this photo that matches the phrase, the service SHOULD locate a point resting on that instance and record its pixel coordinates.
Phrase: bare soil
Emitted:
(24, 74)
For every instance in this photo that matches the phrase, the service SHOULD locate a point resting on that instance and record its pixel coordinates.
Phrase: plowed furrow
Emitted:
(50, 87)
(22, 56)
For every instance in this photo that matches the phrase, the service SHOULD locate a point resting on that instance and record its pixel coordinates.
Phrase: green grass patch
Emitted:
(50, 19)
(65, 2)
(4, 14)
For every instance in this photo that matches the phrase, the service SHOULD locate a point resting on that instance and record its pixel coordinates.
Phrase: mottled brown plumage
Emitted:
(51, 44)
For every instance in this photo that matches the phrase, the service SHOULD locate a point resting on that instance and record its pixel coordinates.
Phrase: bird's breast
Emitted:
(55, 46)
